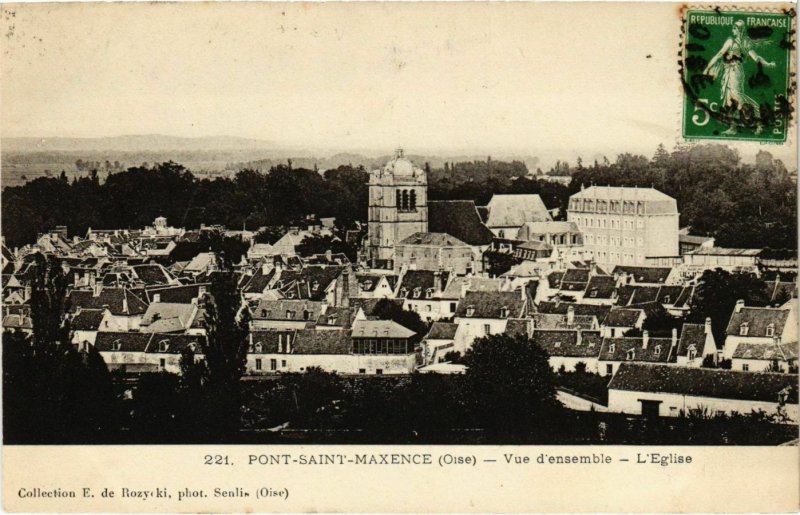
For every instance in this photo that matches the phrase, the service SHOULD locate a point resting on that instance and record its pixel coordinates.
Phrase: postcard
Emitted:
(399, 257)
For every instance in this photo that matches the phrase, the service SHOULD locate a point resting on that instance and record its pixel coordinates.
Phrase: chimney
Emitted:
(264, 268)
(437, 282)
(125, 303)
(578, 337)
(739, 305)
(97, 288)
(156, 297)
(76, 279)
(92, 280)
(674, 336)
(328, 254)
(645, 339)
(464, 288)
(345, 301)
(570, 316)
(708, 326)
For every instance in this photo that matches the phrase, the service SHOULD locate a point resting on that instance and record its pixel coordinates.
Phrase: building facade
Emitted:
(623, 225)
(398, 207)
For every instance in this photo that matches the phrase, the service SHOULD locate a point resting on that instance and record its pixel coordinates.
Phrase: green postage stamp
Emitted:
(737, 73)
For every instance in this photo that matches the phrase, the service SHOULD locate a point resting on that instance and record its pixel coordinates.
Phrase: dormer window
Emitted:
(630, 355)
(193, 347)
(557, 345)
(593, 293)
(743, 329)
(429, 292)
(162, 346)
(657, 350)
(315, 286)
(692, 352)
(289, 314)
(403, 291)
(332, 320)
(417, 292)
(366, 285)
(470, 311)
(117, 345)
(611, 348)
(258, 347)
(771, 330)
(666, 299)
(306, 314)
(504, 312)
(264, 313)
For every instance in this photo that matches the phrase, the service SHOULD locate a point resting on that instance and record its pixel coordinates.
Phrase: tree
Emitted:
(717, 294)
(320, 244)
(386, 309)
(509, 386)
(225, 350)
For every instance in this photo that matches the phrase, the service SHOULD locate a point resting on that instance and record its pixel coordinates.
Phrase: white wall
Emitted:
(629, 402)
(340, 363)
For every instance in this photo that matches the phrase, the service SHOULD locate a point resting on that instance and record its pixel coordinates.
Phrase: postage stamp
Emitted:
(737, 74)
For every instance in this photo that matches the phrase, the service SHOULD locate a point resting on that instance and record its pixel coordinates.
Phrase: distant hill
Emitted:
(134, 143)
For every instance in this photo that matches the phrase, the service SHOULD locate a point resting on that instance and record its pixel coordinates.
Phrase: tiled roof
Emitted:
(18, 321)
(114, 298)
(311, 341)
(766, 351)
(644, 274)
(565, 342)
(632, 349)
(598, 311)
(175, 343)
(177, 294)
(152, 274)
(685, 298)
(166, 317)
(460, 219)
(259, 281)
(336, 317)
(442, 331)
(704, 382)
(269, 340)
(87, 320)
(515, 210)
(380, 329)
(433, 239)
(369, 305)
(129, 342)
(691, 334)
(309, 283)
(722, 251)
(576, 275)
(757, 320)
(486, 304)
(419, 284)
(455, 285)
(519, 327)
(642, 294)
(558, 321)
(600, 287)
(622, 193)
(622, 317)
(298, 310)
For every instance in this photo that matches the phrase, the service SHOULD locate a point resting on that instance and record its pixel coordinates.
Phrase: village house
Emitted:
(438, 341)
(760, 326)
(568, 347)
(665, 390)
(285, 314)
(508, 213)
(422, 291)
(484, 313)
(620, 320)
(695, 345)
(84, 326)
(643, 348)
(434, 251)
(376, 286)
(168, 317)
(125, 306)
(765, 357)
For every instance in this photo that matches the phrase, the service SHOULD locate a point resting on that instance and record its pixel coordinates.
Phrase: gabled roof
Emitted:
(442, 331)
(515, 210)
(419, 284)
(455, 285)
(175, 343)
(114, 298)
(177, 294)
(566, 342)
(632, 349)
(622, 193)
(311, 341)
(259, 281)
(17, 321)
(433, 239)
(599, 311)
(622, 317)
(309, 283)
(766, 351)
(489, 304)
(293, 310)
(558, 321)
(704, 382)
(519, 327)
(336, 316)
(380, 329)
(152, 274)
(167, 317)
(600, 287)
(129, 342)
(87, 320)
(460, 219)
(644, 274)
(368, 305)
(757, 320)
(691, 335)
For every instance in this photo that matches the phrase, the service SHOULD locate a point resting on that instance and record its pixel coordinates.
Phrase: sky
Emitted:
(472, 78)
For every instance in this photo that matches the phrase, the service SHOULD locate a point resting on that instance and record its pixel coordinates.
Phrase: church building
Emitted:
(398, 208)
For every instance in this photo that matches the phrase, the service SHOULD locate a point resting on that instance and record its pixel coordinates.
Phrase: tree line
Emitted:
(742, 205)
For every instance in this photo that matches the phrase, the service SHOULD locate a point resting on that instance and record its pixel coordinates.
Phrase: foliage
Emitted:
(386, 309)
(453, 357)
(509, 385)
(320, 244)
(580, 381)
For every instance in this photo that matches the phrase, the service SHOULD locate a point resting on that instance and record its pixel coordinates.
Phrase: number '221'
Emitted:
(216, 459)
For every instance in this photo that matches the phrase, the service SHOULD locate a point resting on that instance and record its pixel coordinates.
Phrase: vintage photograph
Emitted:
(430, 224)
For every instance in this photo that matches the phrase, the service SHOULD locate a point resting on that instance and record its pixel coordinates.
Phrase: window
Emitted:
(593, 293)
(162, 346)
(117, 345)
(264, 313)
(470, 311)
(743, 329)
(258, 364)
(273, 364)
(745, 367)
(657, 350)
(452, 307)
(162, 363)
(609, 369)
(379, 371)
(258, 346)
(289, 314)
(399, 200)
(504, 312)
(427, 307)
(413, 201)
(306, 314)
(283, 363)
(673, 411)
(487, 329)
(611, 348)
(362, 370)
(771, 330)
(630, 355)
(405, 200)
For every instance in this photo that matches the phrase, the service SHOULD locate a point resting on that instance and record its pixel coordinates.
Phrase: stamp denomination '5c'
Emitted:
(736, 73)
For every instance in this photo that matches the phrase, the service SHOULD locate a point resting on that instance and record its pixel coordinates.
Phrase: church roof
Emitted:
(515, 210)
(460, 219)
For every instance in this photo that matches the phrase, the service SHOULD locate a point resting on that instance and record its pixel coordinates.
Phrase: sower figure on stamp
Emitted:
(729, 62)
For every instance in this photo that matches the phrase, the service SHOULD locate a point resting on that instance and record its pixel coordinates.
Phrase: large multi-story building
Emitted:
(398, 207)
(625, 226)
